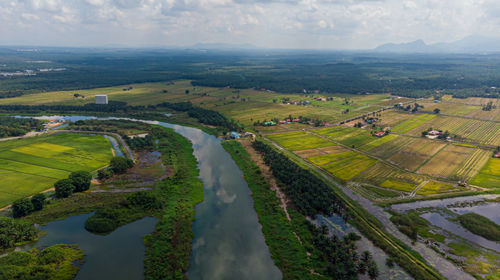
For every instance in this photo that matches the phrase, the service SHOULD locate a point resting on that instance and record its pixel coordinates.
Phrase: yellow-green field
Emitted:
(31, 165)
(299, 140)
(489, 175)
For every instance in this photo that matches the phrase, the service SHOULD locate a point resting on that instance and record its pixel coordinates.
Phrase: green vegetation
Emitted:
(299, 140)
(64, 188)
(16, 127)
(120, 164)
(411, 224)
(489, 175)
(134, 207)
(81, 180)
(178, 194)
(14, 232)
(58, 262)
(29, 166)
(480, 225)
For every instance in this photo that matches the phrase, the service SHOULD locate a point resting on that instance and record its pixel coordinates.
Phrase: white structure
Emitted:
(101, 99)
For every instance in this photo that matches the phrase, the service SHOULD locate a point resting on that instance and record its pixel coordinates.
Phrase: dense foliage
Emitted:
(204, 116)
(64, 188)
(58, 262)
(22, 207)
(10, 127)
(480, 225)
(120, 164)
(310, 194)
(14, 231)
(81, 180)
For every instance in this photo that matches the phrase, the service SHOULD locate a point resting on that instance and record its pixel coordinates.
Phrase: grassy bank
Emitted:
(480, 225)
(168, 248)
(289, 255)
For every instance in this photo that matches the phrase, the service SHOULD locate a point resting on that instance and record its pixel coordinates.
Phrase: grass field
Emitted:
(31, 165)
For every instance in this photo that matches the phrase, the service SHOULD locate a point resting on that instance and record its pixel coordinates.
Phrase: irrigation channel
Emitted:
(228, 241)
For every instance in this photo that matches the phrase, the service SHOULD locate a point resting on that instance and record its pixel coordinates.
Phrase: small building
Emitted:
(269, 123)
(235, 135)
(380, 134)
(497, 155)
(101, 99)
(434, 133)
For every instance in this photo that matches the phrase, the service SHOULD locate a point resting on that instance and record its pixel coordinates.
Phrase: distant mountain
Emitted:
(222, 46)
(470, 44)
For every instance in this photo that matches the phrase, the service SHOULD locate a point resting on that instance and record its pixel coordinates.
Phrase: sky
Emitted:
(296, 24)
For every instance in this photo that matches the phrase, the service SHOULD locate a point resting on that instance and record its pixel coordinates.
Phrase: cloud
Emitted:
(269, 23)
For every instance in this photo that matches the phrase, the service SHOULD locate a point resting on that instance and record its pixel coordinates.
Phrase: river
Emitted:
(228, 241)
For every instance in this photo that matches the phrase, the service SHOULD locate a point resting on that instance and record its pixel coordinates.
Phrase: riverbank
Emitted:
(286, 233)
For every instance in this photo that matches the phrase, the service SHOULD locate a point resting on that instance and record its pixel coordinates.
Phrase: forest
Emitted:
(413, 75)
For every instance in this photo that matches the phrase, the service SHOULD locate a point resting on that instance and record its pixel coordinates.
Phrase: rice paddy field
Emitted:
(489, 175)
(32, 165)
(348, 164)
(484, 130)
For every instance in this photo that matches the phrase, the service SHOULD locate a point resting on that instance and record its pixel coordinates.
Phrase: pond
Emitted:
(118, 255)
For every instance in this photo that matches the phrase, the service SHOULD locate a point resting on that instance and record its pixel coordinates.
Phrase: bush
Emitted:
(81, 180)
(20, 258)
(21, 207)
(64, 188)
(51, 255)
(38, 200)
(144, 200)
(120, 164)
(103, 174)
(99, 225)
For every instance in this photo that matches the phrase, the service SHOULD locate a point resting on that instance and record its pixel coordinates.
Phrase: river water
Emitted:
(228, 241)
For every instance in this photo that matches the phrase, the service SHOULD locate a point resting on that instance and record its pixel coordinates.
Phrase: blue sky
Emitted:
(317, 24)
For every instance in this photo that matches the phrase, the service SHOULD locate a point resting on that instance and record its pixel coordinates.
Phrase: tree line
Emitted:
(10, 127)
(204, 116)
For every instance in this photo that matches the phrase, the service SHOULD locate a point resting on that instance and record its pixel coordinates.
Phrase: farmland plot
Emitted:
(391, 147)
(414, 155)
(299, 140)
(446, 161)
(31, 165)
(489, 175)
(471, 166)
(412, 123)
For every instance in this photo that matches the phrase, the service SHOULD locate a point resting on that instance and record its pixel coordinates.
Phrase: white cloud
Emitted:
(269, 23)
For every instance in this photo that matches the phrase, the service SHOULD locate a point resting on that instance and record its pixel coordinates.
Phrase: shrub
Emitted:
(22, 207)
(64, 188)
(38, 200)
(81, 180)
(51, 255)
(103, 174)
(120, 164)
(144, 199)
(99, 225)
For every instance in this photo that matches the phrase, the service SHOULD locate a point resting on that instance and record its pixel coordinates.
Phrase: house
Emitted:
(101, 99)
(269, 123)
(380, 134)
(306, 102)
(235, 135)
(497, 155)
(296, 120)
(283, 122)
(434, 133)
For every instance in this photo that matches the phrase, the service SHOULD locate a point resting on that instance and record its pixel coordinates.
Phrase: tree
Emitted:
(120, 164)
(38, 200)
(22, 207)
(81, 180)
(372, 270)
(103, 174)
(437, 111)
(64, 188)
(187, 91)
